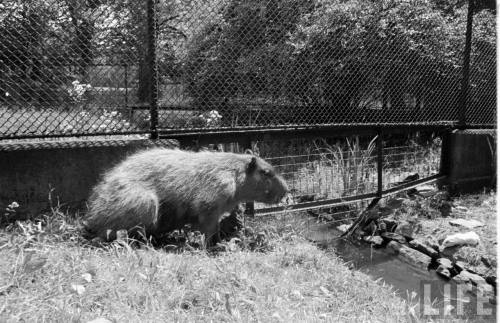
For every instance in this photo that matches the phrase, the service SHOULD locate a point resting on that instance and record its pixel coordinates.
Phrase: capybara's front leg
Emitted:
(209, 226)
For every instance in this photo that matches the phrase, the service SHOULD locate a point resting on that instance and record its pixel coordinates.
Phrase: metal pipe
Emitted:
(466, 68)
(380, 163)
(152, 40)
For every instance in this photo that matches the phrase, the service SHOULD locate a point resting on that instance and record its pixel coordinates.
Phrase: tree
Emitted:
(335, 61)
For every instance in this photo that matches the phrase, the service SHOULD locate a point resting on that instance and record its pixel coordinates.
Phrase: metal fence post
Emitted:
(462, 121)
(380, 164)
(249, 206)
(152, 39)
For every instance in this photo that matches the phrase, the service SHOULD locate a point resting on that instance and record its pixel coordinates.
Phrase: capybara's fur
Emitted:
(160, 190)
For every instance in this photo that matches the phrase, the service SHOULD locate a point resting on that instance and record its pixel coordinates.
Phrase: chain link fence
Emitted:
(99, 67)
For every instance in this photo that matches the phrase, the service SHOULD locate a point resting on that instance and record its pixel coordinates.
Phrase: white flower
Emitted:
(7, 94)
(13, 205)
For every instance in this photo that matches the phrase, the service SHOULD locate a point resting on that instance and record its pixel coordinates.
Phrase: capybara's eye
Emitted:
(266, 172)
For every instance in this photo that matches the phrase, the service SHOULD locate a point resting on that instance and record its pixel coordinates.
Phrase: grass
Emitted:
(48, 274)
(347, 168)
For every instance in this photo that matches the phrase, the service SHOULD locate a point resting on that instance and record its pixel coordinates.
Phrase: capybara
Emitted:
(160, 190)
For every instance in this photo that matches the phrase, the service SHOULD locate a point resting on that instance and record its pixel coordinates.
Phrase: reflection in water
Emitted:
(404, 277)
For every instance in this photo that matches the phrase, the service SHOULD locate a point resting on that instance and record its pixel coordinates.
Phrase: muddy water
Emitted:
(407, 279)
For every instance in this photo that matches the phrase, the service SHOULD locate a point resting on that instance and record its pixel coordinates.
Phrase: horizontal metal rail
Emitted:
(350, 199)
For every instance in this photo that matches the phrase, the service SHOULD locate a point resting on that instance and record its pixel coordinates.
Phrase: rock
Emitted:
(374, 240)
(432, 242)
(445, 263)
(460, 265)
(443, 271)
(450, 252)
(394, 246)
(393, 237)
(469, 224)
(390, 224)
(394, 203)
(410, 255)
(469, 238)
(476, 285)
(344, 227)
(468, 277)
(422, 247)
(407, 229)
(426, 190)
(486, 290)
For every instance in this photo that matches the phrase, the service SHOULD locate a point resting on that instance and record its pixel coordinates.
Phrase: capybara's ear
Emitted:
(248, 151)
(252, 165)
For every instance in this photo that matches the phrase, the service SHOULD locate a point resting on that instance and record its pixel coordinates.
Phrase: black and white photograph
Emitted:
(248, 161)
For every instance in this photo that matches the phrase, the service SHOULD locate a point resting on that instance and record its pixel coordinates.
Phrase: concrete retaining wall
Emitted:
(470, 160)
(65, 169)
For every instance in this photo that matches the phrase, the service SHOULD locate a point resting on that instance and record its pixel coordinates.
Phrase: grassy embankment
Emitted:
(48, 273)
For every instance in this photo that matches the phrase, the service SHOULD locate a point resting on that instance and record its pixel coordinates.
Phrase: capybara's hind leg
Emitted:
(136, 212)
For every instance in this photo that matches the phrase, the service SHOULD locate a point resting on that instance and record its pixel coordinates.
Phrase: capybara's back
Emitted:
(160, 190)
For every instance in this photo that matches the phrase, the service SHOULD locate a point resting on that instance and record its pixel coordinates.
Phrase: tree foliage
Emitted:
(345, 55)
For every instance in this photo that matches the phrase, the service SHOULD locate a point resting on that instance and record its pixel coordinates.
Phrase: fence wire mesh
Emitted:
(327, 169)
(83, 67)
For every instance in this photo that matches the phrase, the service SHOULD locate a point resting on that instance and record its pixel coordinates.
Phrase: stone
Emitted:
(450, 252)
(445, 263)
(443, 271)
(469, 224)
(390, 224)
(486, 289)
(409, 255)
(426, 190)
(468, 277)
(394, 246)
(458, 239)
(393, 237)
(374, 240)
(460, 265)
(407, 229)
(423, 247)
(394, 203)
